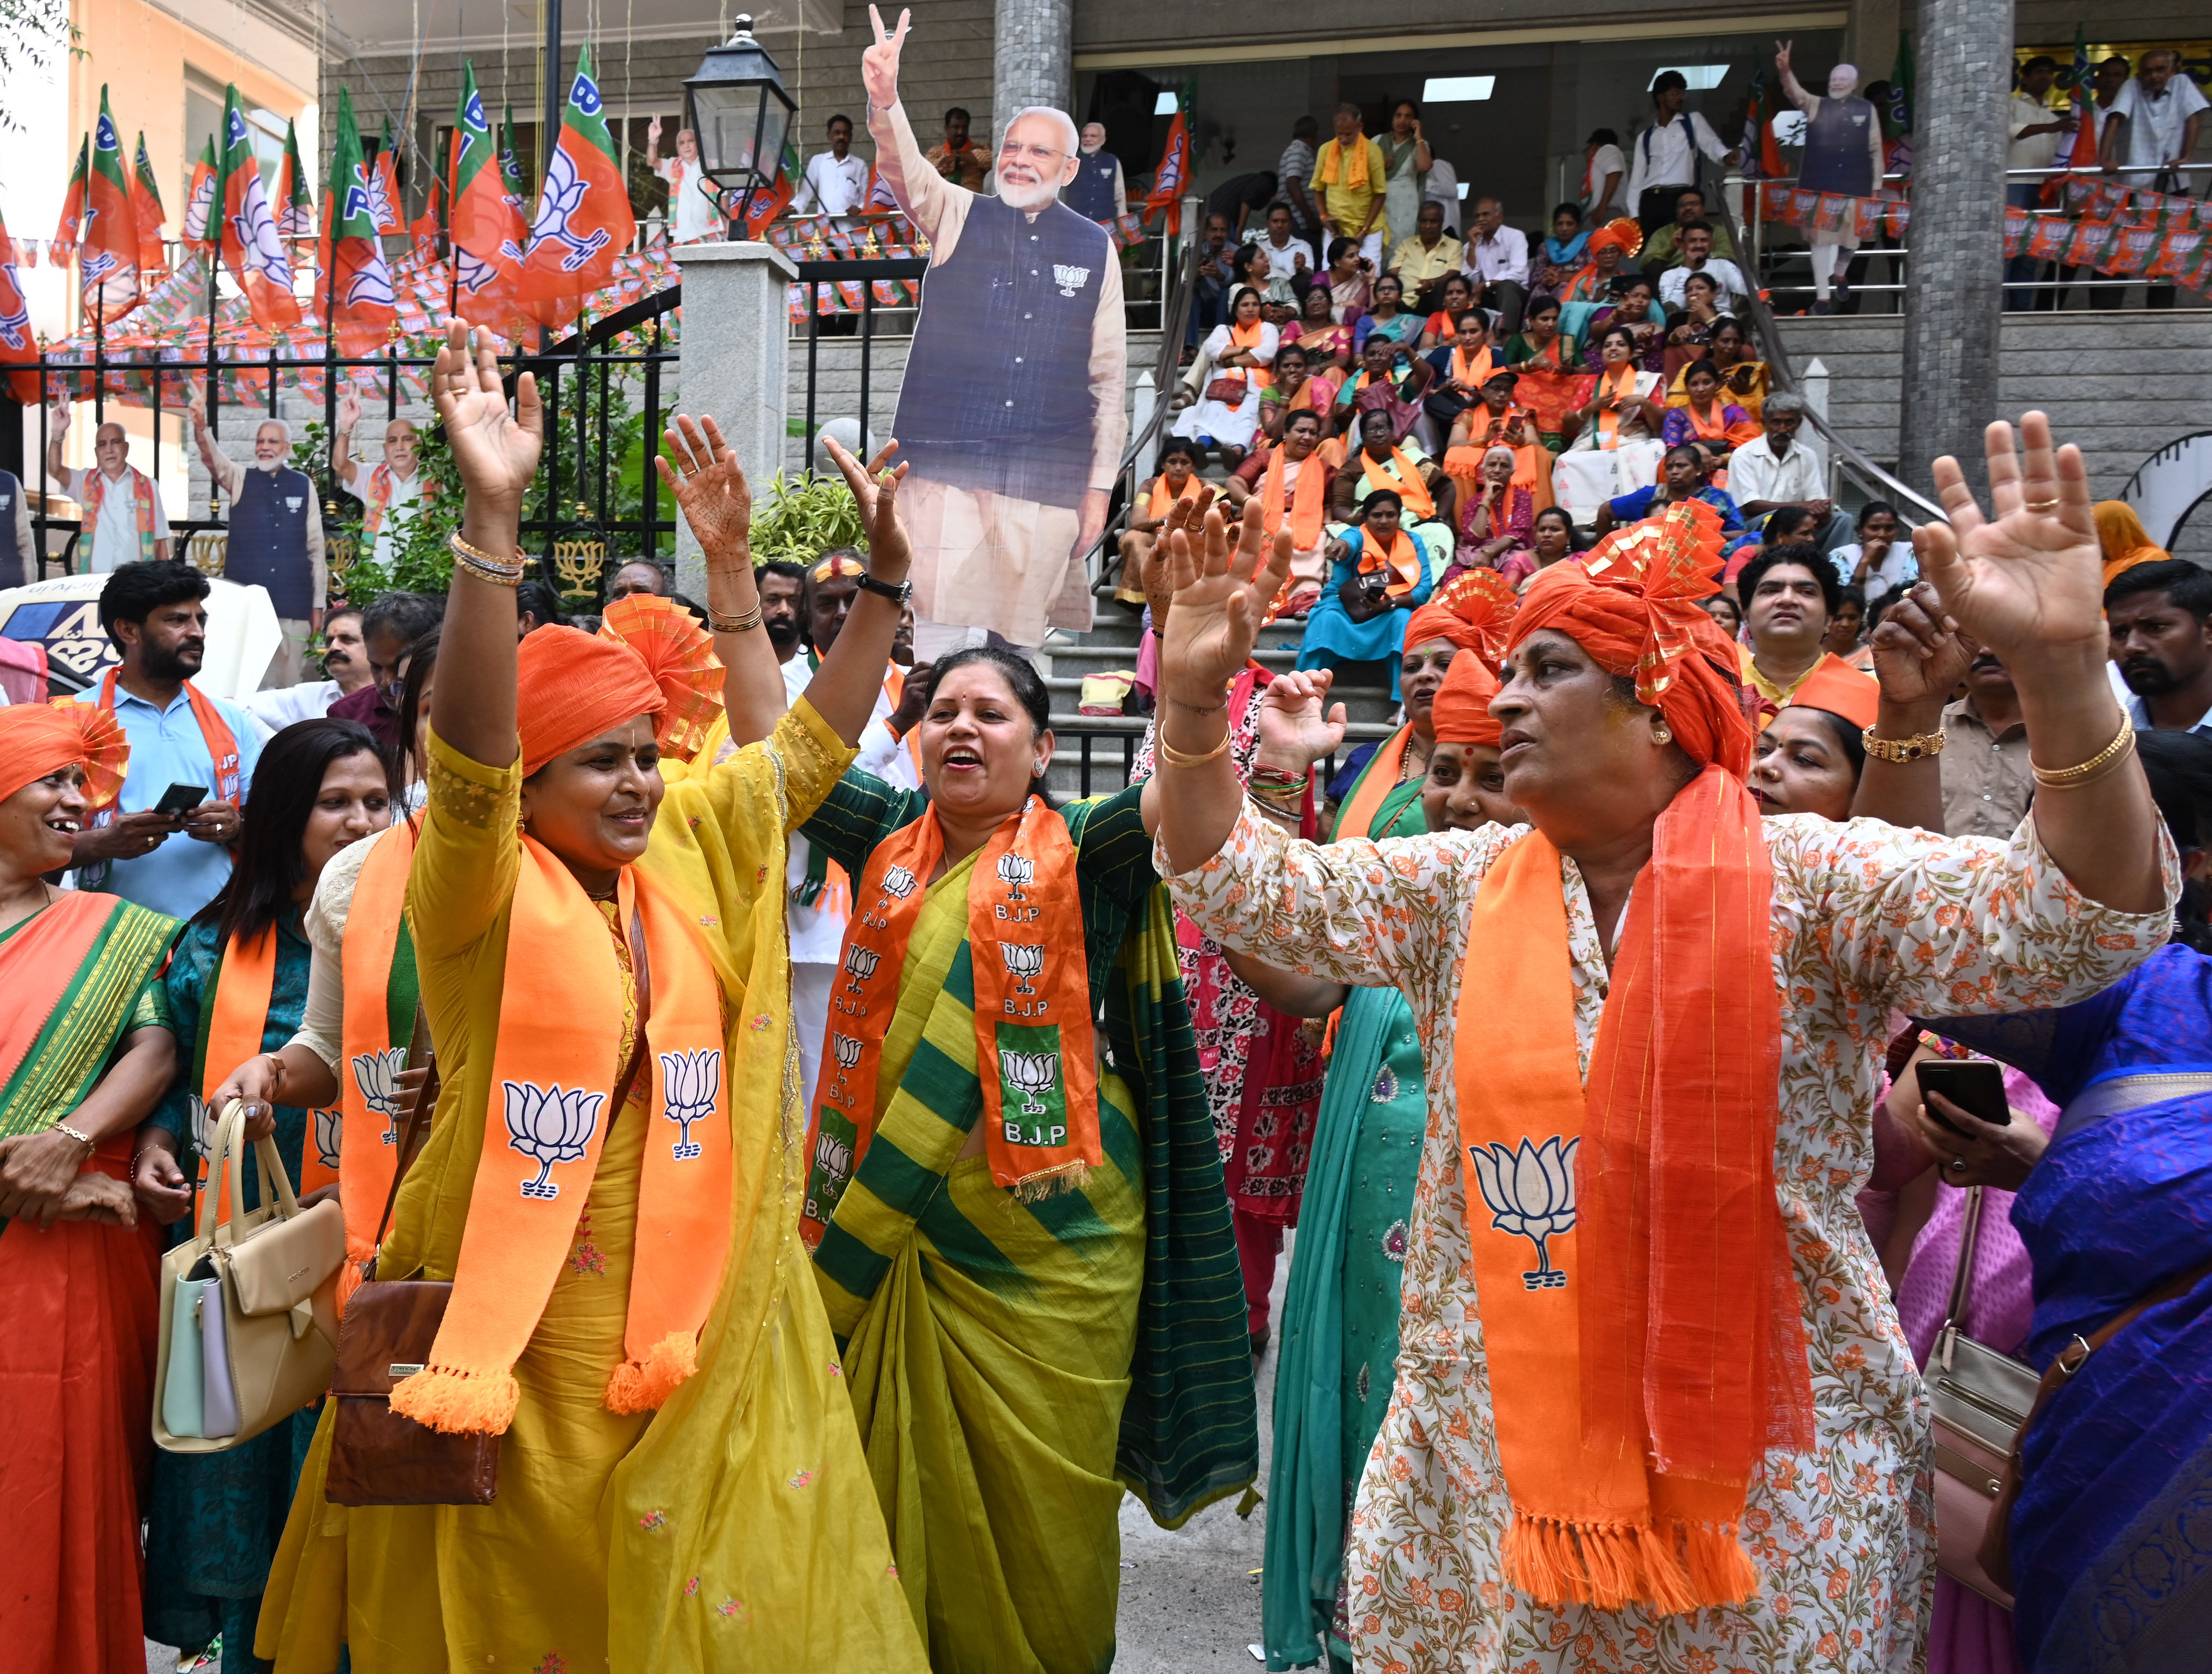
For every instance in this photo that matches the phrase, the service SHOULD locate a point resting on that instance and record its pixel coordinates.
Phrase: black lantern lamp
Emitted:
(738, 108)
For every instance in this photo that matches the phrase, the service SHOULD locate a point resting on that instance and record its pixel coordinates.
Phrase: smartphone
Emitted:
(1976, 1089)
(180, 800)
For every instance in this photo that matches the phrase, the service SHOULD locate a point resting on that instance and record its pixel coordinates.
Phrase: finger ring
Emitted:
(1957, 1165)
(2042, 505)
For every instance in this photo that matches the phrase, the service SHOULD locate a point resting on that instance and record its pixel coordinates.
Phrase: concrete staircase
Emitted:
(1112, 739)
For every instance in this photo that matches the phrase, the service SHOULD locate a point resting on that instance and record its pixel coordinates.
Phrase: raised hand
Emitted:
(57, 418)
(1919, 654)
(349, 410)
(710, 489)
(494, 450)
(880, 64)
(2031, 583)
(877, 489)
(1296, 729)
(1220, 596)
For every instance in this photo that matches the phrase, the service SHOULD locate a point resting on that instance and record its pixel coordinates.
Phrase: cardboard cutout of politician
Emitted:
(1009, 413)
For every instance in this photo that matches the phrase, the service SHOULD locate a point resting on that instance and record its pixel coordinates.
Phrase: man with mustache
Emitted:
(1986, 781)
(1009, 413)
(122, 515)
(275, 539)
(345, 671)
(2158, 614)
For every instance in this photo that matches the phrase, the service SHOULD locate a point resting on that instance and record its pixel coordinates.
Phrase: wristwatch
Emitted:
(898, 591)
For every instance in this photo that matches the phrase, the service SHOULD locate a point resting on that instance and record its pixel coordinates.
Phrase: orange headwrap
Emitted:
(680, 656)
(36, 738)
(2126, 541)
(1625, 234)
(1473, 611)
(1690, 1355)
(570, 687)
(1632, 604)
(1460, 713)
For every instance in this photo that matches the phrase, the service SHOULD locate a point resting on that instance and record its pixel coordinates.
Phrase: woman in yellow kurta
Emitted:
(680, 1486)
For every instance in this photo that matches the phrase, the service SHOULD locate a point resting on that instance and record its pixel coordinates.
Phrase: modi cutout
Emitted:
(1010, 412)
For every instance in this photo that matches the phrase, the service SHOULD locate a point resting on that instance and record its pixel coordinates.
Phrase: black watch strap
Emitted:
(898, 591)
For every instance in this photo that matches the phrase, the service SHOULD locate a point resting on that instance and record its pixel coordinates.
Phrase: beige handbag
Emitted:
(1981, 1399)
(262, 1291)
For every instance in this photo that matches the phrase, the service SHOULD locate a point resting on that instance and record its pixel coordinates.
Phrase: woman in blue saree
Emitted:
(2111, 1535)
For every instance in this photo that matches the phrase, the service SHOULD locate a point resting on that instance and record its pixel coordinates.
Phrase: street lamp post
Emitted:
(736, 107)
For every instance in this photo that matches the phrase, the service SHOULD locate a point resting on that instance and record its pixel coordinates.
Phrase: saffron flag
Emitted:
(766, 206)
(357, 286)
(1173, 173)
(1759, 120)
(71, 225)
(2083, 153)
(17, 345)
(199, 196)
(486, 230)
(107, 250)
(384, 186)
(584, 219)
(247, 235)
(296, 205)
(146, 204)
(511, 179)
(422, 231)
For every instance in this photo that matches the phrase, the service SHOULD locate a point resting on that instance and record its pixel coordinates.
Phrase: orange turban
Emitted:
(1632, 604)
(1472, 610)
(2126, 541)
(36, 738)
(570, 687)
(1461, 711)
(1625, 234)
(680, 656)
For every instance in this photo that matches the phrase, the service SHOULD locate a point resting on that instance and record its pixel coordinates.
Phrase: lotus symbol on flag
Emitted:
(370, 286)
(473, 273)
(1034, 1073)
(550, 1125)
(563, 197)
(846, 1049)
(1024, 961)
(16, 328)
(329, 1127)
(1014, 871)
(256, 237)
(861, 963)
(377, 1075)
(898, 881)
(1530, 1192)
(689, 1082)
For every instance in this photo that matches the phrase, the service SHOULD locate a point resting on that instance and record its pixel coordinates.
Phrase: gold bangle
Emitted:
(1175, 758)
(2066, 778)
(722, 623)
(499, 572)
(1920, 747)
(78, 1134)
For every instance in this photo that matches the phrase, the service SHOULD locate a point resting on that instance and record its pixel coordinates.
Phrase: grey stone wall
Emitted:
(2119, 386)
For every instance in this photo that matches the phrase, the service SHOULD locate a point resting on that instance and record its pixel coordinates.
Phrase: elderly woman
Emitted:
(1497, 520)
(1617, 448)
(87, 1048)
(1227, 411)
(1750, 1462)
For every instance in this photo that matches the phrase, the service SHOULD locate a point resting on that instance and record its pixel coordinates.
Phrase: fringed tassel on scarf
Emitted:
(1070, 1176)
(1613, 1566)
(643, 1387)
(472, 1403)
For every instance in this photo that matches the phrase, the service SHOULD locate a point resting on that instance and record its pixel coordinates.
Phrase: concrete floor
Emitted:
(1190, 1596)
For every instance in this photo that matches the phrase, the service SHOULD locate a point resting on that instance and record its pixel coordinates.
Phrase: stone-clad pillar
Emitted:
(1033, 58)
(733, 364)
(1954, 275)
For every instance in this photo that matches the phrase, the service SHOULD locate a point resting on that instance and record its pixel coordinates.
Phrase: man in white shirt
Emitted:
(2032, 130)
(1773, 469)
(1441, 185)
(1497, 261)
(1666, 153)
(693, 211)
(345, 669)
(122, 507)
(2153, 122)
(1605, 172)
(1697, 258)
(836, 181)
(1289, 256)
(389, 490)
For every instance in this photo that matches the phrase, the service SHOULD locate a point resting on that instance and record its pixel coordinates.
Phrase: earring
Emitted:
(1662, 735)
(1036, 770)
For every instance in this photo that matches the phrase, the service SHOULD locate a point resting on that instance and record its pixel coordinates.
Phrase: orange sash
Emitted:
(1034, 1038)
(1380, 779)
(1247, 337)
(237, 1023)
(1161, 500)
(1332, 154)
(1620, 382)
(142, 506)
(895, 690)
(560, 1045)
(1401, 558)
(1305, 500)
(1403, 478)
(370, 1060)
(1473, 372)
(215, 733)
(1569, 1189)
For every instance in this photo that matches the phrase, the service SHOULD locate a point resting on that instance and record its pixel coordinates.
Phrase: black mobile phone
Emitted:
(180, 799)
(1975, 1088)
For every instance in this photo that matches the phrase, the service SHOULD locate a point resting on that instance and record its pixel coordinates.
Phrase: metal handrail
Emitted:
(1778, 359)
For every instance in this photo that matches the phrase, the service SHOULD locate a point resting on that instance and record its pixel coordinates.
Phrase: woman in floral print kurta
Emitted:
(1865, 917)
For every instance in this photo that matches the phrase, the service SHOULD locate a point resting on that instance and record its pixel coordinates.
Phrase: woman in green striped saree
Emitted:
(1030, 1273)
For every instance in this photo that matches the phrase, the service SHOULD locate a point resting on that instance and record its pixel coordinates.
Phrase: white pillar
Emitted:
(1147, 397)
(732, 364)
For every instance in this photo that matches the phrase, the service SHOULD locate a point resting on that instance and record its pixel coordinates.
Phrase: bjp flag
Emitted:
(107, 250)
(486, 230)
(511, 177)
(17, 345)
(1170, 179)
(357, 286)
(422, 231)
(146, 203)
(251, 247)
(584, 219)
(71, 225)
(384, 186)
(296, 206)
(199, 196)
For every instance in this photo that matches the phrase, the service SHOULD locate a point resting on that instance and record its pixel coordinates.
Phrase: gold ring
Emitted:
(2042, 505)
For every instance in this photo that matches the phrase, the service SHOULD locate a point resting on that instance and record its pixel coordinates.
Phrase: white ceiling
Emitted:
(376, 27)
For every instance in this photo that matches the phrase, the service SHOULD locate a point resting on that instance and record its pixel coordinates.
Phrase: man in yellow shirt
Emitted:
(1348, 179)
(1424, 260)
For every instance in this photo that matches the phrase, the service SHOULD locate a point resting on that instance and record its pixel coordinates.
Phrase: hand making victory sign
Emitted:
(880, 64)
